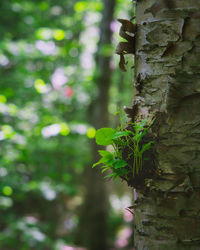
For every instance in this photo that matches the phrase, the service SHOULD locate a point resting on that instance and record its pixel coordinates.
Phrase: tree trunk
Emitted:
(167, 83)
(95, 211)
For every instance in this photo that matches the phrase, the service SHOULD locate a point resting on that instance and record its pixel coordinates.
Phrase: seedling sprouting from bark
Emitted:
(121, 138)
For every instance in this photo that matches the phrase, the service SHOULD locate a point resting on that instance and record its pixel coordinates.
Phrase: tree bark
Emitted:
(167, 83)
(95, 211)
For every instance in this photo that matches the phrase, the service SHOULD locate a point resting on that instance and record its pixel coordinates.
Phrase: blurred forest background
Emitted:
(50, 77)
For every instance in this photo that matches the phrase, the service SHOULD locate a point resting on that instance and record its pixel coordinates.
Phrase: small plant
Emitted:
(119, 139)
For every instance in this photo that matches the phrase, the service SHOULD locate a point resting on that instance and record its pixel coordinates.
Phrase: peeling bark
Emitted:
(167, 83)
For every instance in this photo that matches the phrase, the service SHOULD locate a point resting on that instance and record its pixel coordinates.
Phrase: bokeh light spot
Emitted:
(7, 131)
(7, 190)
(40, 86)
(44, 33)
(13, 109)
(59, 34)
(80, 6)
(3, 99)
(91, 132)
(64, 129)
(58, 78)
(68, 92)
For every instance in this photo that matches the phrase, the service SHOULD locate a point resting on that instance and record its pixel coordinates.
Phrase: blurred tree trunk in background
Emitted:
(94, 219)
(167, 214)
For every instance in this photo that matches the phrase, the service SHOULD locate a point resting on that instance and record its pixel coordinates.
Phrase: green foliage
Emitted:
(121, 139)
(104, 136)
(44, 127)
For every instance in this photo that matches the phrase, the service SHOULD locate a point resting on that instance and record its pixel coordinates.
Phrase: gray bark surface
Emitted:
(167, 82)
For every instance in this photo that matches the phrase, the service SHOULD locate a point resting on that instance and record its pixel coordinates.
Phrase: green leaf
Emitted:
(119, 164)
(120, 134)
(116, 113)
(143, 133)
(104, 136)
(106, 154)
(145, 147)
(110, 162)
(97, 163)
(114, 177)
(121, 171)
(107, 162)
(102, 160)
(107, 158)
(137, 137)
(103, 170)
(151, 123)
(139, 126)
(142, 123)
(111, 175)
